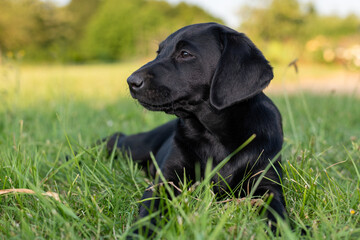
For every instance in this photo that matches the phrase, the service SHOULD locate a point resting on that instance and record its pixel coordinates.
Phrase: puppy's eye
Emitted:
(185, 54)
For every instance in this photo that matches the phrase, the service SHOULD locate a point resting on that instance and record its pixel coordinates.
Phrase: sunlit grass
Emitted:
(79, 82)
(48, 110)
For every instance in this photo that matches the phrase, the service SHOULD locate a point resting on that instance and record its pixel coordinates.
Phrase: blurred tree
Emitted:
(286, 29)
(90, 29)
(125, 28)
(36, 27)
(80, 12)
(278, 19)
(284, 20)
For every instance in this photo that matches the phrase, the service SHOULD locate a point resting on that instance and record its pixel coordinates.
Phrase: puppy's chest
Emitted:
(204, 148)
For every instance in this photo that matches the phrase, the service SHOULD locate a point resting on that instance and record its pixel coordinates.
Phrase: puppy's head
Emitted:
(201, 63)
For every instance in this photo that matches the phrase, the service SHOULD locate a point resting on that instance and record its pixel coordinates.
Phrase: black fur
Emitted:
(212, 78)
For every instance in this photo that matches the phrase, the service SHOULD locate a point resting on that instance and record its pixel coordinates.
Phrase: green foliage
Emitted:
(111, 30)
(288, 29)
(135, 27)
(279, 20)
(36, 28)
(90, 29)
(80, 13)
(282, 20)
(109, 34)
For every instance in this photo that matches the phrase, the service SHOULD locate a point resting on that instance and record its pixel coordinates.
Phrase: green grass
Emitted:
(46, 112)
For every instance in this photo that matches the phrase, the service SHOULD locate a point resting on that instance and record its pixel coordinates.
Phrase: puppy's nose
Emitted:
(135, 82)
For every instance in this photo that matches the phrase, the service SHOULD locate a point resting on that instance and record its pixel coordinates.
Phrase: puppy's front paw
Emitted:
(113, 141)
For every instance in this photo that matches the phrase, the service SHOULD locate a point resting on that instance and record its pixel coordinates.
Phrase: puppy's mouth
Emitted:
(166, 107)
(153, 98)
(180, 108)
(161, 100)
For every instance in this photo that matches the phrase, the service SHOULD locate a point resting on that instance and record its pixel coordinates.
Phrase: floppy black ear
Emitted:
(241, 73)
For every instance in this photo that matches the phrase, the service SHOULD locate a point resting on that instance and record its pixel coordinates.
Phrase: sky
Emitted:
(228, 10)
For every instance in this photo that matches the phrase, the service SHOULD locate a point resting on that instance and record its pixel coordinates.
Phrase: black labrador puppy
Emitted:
(211, 77)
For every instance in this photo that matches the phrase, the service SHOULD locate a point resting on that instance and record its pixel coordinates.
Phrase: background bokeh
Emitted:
(83, 31)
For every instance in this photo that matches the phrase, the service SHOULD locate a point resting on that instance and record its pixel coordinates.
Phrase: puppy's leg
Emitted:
(151, 203)
(147, 207)
(173, 171)
(276, 207)
(140, 145)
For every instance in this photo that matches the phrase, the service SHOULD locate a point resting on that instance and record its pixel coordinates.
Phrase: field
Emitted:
(48, 112)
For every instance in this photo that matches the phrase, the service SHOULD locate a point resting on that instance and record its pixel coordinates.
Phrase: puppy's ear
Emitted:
(241, 73)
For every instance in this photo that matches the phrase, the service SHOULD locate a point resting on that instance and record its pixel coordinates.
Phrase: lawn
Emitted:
(47, 112)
